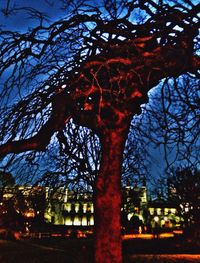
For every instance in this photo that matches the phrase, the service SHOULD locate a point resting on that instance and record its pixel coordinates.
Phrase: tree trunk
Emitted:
(108, 199)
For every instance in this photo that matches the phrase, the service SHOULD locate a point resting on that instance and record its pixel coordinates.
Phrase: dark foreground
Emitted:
(59, 250)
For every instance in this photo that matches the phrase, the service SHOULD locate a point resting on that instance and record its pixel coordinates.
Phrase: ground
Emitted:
(168, 258)
(80, 251)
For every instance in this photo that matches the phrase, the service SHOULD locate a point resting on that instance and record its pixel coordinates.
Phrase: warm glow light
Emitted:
(84, 208)
(166, 235)
(146, 236)
(129, 216)
(92, 208)
(178, 232)
(162, 222)
(173, 210)
(29, 214)
(68, 221)
(142, 236)
(76, 208)
(92, 220)
(68, 207)
(151, 211)
(156, 218)
(84, 221)
(159, 211)
(77, 221)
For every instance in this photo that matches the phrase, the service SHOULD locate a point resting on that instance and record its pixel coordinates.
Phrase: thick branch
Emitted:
(60, 115)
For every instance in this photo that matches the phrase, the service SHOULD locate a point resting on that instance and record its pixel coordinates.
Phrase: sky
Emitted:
(21, 20)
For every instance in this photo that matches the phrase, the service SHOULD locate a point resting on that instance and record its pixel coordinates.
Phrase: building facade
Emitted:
(61, 206)
(164, 214)
(65, 207)
(69, 208)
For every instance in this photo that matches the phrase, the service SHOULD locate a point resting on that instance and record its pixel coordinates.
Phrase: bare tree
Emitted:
(183, 184)
(174, 128)
(96, 66)
(75, 157)
(72, 160)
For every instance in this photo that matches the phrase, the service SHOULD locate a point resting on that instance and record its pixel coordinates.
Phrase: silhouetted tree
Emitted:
(6, 179)
(172, 123)
(184, 189)
(96, 66)
(12, 207)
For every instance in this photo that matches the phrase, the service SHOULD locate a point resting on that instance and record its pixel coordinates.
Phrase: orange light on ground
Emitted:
(29, 214)
(166, 235)
(80, 234)
(146, 236)
(178, 232)
(143, 236)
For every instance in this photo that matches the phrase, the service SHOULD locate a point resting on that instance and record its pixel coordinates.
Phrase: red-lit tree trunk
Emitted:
(108, 199)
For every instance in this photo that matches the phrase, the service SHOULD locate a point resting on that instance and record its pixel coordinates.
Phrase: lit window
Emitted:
(91, 220)
(92, 208)
(84, 221)
(173, 210)
(158, 211)
(68, 207)
(151, 211)
(76, 208)
(166, 211)
(84, 208)
(156, 218)
(68, 221)
(77, 221)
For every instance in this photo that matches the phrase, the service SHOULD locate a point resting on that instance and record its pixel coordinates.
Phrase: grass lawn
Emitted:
(80, 251)
(57, 251)
(22, 252)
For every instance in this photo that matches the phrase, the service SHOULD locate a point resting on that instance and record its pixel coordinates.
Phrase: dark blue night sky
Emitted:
(22, 20)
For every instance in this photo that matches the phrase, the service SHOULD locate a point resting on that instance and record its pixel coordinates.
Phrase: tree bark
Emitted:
(108, 199)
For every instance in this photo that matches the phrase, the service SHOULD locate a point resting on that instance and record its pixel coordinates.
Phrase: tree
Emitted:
(172, 122)
(184, 189)
(12, 205)
(6, 179)
(8, 215)
(20, 205)
(77, 163)
(131, 203)
(96, 66)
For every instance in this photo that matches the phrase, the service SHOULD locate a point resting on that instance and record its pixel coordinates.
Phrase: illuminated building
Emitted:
(164, 214)
(61, 206)
(69, 208)
(134, 202)
(65, 207)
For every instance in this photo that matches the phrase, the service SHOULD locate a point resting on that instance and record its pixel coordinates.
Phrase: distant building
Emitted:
(164, 214)
(134, 201)
(69, 208)
(61, 206)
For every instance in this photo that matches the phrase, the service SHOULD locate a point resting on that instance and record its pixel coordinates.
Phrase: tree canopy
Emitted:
(79, 67)
(184, 185)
